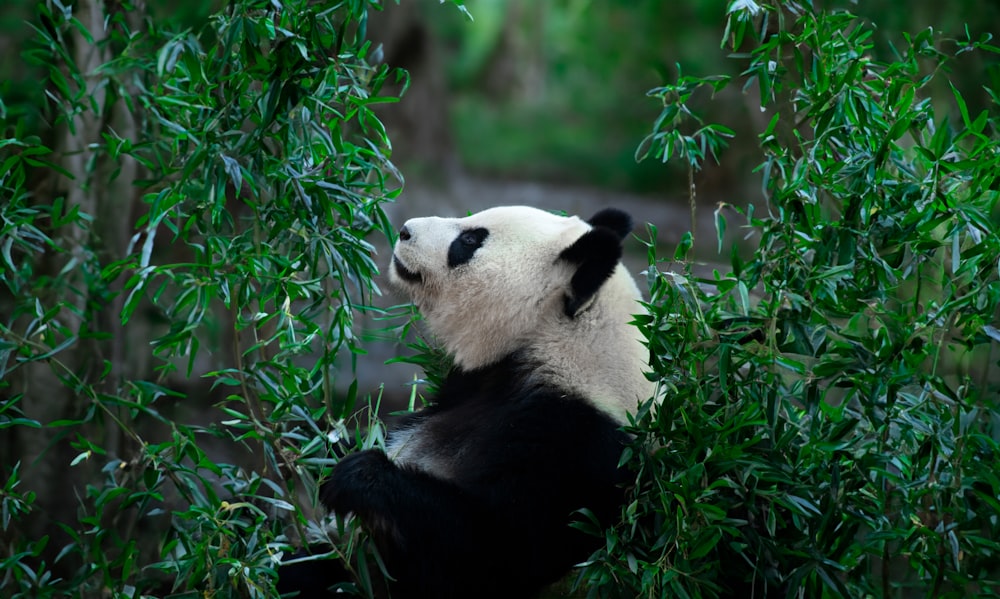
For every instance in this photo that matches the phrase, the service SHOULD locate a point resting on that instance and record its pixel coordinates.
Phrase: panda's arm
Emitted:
(400, 503)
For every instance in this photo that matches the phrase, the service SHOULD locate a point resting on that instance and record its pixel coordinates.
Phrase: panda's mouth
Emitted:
(405, 273)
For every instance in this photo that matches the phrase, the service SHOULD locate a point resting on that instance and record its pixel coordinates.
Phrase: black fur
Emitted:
(614, 219)
(311, 578)
(525, 458)
(465, 245)
(596, 253)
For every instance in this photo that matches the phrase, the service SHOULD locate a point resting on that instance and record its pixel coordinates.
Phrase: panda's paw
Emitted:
(356, 482)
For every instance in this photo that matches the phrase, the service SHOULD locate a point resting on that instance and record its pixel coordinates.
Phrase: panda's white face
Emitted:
(484, 281)
(516, 278)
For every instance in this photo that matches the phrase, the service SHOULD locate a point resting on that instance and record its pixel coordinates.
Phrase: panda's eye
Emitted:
(465, 245)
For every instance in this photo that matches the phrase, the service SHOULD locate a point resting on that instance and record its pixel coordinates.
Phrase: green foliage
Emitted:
(259, 167)
(829, 423)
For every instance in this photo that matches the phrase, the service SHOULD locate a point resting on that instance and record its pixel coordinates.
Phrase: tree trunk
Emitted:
(45, 455)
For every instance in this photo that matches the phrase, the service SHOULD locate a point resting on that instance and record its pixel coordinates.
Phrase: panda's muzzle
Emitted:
(405, 273)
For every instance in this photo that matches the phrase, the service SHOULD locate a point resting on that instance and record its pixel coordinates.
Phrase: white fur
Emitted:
(510, 296)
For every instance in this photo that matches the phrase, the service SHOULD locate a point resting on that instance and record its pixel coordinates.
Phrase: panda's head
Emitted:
(519, 279)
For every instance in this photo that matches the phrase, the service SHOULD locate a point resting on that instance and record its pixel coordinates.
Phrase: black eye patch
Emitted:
(465, 245)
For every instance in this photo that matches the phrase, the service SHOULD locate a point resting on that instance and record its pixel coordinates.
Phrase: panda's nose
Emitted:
(404, 234)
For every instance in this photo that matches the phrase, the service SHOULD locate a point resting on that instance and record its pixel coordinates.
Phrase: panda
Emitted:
(474, 495)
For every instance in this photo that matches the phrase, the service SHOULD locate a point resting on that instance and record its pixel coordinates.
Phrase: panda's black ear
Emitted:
(596, 254)
(612, 218)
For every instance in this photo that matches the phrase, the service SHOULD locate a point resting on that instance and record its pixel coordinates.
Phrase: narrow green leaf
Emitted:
(961, 105)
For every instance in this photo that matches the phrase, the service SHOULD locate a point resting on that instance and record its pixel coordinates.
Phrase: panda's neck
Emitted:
(604, 366)
(497, 378)
(604, 359)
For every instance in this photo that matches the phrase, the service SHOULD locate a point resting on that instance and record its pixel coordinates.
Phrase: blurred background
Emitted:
(555, 91)
(545, 102)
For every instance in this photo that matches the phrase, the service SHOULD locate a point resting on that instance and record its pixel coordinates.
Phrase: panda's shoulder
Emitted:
(512, 388)
(462, 385)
